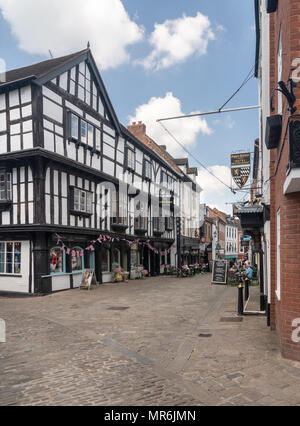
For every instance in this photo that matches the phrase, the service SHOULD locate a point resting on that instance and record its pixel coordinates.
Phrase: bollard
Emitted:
(240, 300)
(246, 289)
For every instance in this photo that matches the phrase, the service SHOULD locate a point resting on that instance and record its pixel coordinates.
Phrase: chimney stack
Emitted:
(137, 129)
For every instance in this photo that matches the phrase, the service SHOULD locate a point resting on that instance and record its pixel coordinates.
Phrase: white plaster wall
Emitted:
(77, 280)
(18, 284)
(61, 282)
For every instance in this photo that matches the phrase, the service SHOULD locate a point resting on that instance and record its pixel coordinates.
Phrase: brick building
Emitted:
(277, 59)
(220, 222)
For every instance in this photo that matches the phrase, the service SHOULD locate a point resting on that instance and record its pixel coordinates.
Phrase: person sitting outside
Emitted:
(248, 274)
(233, 268)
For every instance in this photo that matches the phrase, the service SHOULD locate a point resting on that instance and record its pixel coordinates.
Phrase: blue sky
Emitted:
(201, 81)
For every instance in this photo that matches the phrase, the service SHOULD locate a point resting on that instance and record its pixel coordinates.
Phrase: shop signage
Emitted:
(245, 243)
(240, 168)
(240, 159)
(219, 272)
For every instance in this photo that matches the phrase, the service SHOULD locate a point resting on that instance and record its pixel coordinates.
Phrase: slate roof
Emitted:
(181, 161)
(192, 171)
(250, 210)
(41, 68)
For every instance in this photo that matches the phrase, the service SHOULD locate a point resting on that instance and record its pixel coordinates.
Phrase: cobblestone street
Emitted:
(160, 341)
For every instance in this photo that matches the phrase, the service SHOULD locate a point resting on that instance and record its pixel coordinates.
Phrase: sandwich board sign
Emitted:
(88, 278)
(219, 272)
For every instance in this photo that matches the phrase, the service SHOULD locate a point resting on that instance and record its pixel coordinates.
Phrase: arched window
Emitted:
(116, 257)
(105, 260)
(77, 261)
(57, 261)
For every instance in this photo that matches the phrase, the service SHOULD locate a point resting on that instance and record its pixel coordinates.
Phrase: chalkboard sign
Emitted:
(219, 273)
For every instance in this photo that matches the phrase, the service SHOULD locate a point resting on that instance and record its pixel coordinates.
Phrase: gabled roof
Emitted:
(46, 71)
(181, 161)
(41, 68)
(192, 171)
(154, 147)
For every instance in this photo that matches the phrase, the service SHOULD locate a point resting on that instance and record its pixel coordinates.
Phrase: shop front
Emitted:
(190, 251)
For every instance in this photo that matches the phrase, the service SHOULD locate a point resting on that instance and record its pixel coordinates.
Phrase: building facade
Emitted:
(277, 62)
(219, 232)
(231, 239)
(78, 189)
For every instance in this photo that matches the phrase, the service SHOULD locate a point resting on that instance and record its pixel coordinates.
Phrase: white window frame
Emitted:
(88, 200)
(8, 186)
(278, 275)
(279, 72)
(13, 258)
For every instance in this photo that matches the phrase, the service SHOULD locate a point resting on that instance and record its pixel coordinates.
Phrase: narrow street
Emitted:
(159, 341)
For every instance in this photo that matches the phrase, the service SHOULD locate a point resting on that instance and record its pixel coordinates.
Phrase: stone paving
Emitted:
(160, 341)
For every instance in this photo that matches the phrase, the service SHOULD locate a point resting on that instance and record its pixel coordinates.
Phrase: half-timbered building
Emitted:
(77, 189)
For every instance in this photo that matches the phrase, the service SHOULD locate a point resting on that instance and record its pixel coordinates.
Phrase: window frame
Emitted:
(8, 186)
(64, 269)
(96, 145)
(77, 271)
(278, 271)
(107, 251)
(88, 194)
(132, 152)
(149, 169)
(10, 274)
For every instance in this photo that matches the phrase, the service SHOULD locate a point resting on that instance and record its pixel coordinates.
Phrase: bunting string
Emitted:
(108, 239)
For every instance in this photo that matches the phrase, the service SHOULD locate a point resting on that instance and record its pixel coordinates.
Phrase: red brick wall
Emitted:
(283, 312)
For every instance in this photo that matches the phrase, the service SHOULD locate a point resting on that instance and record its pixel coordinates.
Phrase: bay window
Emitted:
(119, 209)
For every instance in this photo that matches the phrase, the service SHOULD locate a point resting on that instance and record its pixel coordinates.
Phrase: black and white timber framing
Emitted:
(61, 147)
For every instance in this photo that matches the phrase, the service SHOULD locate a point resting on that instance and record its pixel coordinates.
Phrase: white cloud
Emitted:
(176, 40)
(229, 123)
(215, 194)
(64, 26)
(185, 130)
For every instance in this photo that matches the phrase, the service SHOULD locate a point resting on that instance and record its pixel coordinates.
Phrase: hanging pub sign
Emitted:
(242, 159)
(219, 272)
(240, 168)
